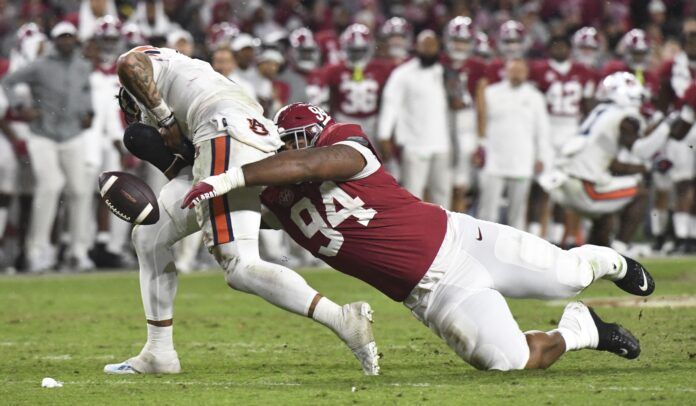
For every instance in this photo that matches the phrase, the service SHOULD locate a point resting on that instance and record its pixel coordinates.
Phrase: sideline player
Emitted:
(452, 270)
(187, 98)
(591, 179)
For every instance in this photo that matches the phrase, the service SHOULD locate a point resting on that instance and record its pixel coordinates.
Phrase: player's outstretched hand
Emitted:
(208, 188)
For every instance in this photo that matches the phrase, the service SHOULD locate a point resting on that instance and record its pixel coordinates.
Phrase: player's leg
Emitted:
(414, 171)
(440, 179)
(684, 191)
(79, 188)
(231, 226)
(8, 179)
(491, 192)
(537, 210)
(630, 219)
(49, 182)
(518, 200)
(158, 280)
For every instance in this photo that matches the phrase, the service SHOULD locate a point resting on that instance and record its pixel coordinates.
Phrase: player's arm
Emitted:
(335, 162)
(136, 73)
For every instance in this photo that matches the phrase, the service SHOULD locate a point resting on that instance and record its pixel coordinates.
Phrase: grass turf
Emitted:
(235, 348)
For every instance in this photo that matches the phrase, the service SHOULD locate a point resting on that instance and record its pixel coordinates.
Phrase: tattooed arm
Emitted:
(335, 162)
(137, 76)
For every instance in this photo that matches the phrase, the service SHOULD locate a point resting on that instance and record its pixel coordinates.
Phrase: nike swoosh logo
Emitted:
(644, 286)
(623, 351)
(480, 237)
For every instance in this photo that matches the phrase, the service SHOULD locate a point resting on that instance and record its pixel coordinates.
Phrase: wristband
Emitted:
(235, 176)
(161, 111)
(167, 122)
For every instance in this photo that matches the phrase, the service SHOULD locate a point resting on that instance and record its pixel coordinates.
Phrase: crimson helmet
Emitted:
(357, 45)
(635, 47)
(586, 43)
(221, 35)
(483, 47)
(512, 39)
(459, 38)
(133, 35)
(304, 50)
(30, 41)
(301, 121)
(107, 27)
(398, 35)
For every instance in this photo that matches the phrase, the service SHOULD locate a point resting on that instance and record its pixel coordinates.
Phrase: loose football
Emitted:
(128, 197)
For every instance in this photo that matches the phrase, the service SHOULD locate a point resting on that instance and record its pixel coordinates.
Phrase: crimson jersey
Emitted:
(495, 71)
(676, 76)
(327, 40)
(369, 228)
(564, 91)
(354, 93)
(470, 72)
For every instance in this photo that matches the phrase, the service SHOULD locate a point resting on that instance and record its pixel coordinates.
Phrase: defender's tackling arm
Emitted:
(335, 162)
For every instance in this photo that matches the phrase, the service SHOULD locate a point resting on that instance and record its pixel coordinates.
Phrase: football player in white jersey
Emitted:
(187, 99)
(585, 179)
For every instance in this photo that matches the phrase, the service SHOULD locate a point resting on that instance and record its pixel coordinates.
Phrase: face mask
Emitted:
(428, 60)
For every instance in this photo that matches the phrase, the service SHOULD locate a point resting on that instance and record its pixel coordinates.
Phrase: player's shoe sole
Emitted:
(614, 338)
(147, 363)
(357, 334)
(637, 280)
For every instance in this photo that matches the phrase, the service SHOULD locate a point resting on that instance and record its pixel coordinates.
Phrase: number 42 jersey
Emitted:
(368, 226)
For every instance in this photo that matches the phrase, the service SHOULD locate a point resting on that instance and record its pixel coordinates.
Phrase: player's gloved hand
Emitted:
(213, 186)
(662, 165)
(20, 148)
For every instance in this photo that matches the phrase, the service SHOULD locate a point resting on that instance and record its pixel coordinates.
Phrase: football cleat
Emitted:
(614, 338)
(356, 332)
(637, 280)
(147, 363)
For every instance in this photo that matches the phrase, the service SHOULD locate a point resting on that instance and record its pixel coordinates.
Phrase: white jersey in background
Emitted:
(205, 103)
(601, 131)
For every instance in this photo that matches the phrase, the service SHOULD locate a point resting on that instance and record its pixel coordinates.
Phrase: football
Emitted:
(128, 197)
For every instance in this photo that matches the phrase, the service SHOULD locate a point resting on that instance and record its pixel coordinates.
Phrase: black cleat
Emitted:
(615, 339)
(637, 280)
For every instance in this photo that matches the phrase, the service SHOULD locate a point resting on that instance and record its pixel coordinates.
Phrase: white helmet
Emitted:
(621, 88)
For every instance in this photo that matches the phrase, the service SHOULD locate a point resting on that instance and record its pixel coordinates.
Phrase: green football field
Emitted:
(235, 348)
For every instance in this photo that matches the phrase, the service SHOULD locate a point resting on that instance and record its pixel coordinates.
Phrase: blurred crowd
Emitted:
(438, 86)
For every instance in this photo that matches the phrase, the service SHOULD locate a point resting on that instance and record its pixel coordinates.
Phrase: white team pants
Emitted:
(491, 196)
(427, 170)
(59, 165)
(461, 297)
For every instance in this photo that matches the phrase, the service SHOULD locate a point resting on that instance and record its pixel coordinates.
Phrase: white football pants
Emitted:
(55, 166)
(427, 170)
(491, 197)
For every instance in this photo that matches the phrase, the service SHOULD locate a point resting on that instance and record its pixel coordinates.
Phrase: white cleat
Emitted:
(356, 332)
(577, 319)
(147, 363)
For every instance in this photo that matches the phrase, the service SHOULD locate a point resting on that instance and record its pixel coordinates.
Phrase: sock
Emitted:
(605, 262)
(3, 221)
(328, 313)
(535, 229)
(681, 222)
(556, 232)
(103, 237)
(570, 338)
(159, 339)
(658, 221)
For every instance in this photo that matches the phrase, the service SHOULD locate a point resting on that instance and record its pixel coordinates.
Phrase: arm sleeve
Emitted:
(392, 98)
(24, 75)
(372, 164)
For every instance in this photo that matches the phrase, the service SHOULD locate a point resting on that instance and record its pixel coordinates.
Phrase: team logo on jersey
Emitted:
(257, 127)
(286, 197)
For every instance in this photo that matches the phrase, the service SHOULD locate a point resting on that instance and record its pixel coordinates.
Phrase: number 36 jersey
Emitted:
(368, 226)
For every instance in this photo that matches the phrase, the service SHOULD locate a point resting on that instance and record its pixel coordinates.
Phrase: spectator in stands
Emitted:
(224, 63)
(414, 107)
(182, 41)
(269, 63)
(244, 49)
(150, 17)
(516, 143)
(61, 90)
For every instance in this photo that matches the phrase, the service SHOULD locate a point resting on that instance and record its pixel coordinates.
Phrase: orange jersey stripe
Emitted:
(220, 216)
(614, 194)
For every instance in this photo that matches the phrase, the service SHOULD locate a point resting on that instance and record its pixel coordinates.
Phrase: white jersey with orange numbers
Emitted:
(205, 103)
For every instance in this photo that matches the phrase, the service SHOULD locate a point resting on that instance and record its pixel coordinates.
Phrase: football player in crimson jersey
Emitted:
(397, 36)
(676, 76)
(586, 47)
(355, 84)
(451, 270)
(303, 71)
(568, 87)
(463, 72)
